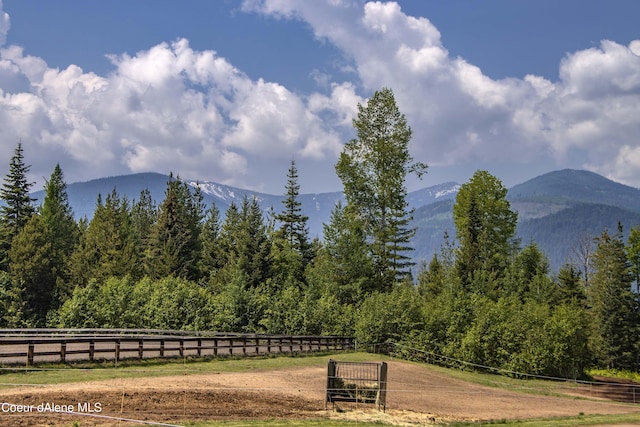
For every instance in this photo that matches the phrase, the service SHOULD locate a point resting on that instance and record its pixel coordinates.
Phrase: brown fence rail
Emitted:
(32, 346)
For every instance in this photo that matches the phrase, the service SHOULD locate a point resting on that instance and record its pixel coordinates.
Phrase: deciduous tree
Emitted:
(373, 168)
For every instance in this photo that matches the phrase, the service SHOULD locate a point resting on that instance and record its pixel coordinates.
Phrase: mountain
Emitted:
(554, 209)
(554, 191)
(83, 196)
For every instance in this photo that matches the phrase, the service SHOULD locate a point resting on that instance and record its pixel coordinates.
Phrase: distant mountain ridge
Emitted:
(318, 206)
(553, 209)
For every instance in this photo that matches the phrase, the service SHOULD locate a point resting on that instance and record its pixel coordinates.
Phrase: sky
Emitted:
(232, 91)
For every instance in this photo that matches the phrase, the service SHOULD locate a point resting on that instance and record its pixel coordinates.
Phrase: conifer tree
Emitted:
(293, 222)
(144, 214)
(570, 285)
(485, 225)
(348, 265)
(32, 270)
(211, 258)
(612, 305)
(633, 255)
(245, 243)
(174, 247)
(18, 203)
(62, 229)
(255, 244)
(107, 248)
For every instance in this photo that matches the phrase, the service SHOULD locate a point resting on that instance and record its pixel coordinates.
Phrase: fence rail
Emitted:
(29, 347)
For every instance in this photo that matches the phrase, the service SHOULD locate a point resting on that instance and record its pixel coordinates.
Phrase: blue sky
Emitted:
(230, 91)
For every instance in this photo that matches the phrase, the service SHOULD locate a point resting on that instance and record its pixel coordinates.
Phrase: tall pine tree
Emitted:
(18, 203)
(293, 222)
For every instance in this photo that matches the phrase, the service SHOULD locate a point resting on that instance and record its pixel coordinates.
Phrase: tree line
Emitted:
(484, 298)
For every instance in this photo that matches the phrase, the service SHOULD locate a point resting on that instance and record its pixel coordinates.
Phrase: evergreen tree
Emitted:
(612, 305)
(570, 285)
(532, 279)
(144, 214)
(254, 244)
(245, 244)
(32, 270)
(293, 222)
(230, 232)
(211, 259)
(62, 229)
(633, 255)
(345, 261)
(174, 247)
(431, 278)
(12, 303)
(18, 203)
(107, 248)
(485, 225)
(373, 168)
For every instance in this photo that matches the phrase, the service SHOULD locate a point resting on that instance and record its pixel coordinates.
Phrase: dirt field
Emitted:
(416, 395)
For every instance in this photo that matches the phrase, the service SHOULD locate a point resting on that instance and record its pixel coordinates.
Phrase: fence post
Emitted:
(92, 350)
(30, 351)
(199, 347)
(215, 346)
(117, 350)
(162, 347)
(63, 351)
(181, 347)
(269, 345)
(141, 348)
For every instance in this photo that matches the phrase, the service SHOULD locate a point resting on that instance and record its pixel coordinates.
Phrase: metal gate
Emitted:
(360, 382)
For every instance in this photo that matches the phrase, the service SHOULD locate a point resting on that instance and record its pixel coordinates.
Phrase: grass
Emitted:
(582, 420)
(615, 373)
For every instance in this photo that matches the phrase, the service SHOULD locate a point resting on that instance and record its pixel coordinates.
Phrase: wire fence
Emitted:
(618, 389)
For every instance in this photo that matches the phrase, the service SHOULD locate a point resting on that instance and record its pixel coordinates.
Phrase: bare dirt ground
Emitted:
(416, 395)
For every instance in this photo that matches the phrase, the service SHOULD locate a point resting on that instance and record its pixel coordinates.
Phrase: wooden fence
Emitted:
(32, 346)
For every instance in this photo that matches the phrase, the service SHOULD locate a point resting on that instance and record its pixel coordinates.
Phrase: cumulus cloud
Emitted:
(173, 108)
(168, 108)
(459, 115)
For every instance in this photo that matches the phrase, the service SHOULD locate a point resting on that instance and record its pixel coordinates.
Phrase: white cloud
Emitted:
(5, 24)
(168, 108)
(459, 115)
(173, 108)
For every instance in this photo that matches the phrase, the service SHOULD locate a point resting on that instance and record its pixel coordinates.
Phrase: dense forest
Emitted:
(483, 299)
